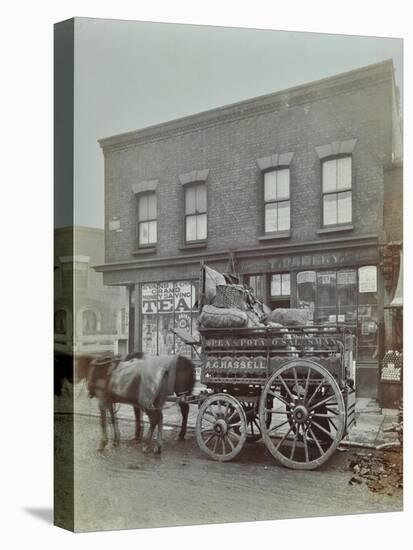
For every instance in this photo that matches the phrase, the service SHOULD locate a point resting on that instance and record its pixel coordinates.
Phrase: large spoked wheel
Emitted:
(307, 414)
(221, 427)
(253, 422)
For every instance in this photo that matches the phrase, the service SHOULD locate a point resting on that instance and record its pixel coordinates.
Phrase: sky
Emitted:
(130, 75)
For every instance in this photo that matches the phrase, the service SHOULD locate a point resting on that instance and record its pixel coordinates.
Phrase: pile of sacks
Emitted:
(226, 305)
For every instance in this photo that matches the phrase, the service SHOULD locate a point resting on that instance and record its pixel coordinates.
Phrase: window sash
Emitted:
(336, 174)
(196, 227)
(277, 185)
(337, 208)
(147, 233)
(277, 216)
(195, 199)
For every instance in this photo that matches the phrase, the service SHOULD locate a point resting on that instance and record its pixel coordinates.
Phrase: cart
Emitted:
(293, 387)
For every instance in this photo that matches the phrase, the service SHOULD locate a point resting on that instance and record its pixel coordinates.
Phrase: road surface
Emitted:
(124, 488)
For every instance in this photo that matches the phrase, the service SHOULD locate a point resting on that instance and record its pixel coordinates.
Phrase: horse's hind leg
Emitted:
(103, 426)
(184, 411)
(115, 426)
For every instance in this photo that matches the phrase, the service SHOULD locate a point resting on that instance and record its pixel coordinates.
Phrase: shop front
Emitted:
(337, 282)
(341, 286)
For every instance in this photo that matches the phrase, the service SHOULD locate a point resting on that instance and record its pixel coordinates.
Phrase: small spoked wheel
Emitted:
(221, 427)
(307, 414)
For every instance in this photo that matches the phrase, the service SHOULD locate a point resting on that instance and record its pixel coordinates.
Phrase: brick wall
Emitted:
(229, 147)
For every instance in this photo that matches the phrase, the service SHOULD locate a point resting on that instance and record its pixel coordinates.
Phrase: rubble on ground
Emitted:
(381, 472)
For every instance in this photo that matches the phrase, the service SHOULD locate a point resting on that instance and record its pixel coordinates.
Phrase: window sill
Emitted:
(335, 228)
(143, 251)
(279, 235)
(192, 246)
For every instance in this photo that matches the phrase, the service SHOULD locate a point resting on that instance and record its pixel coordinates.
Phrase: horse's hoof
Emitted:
(133, 442)
(181, 437)
(157, 449)
(145, 449)
(115, 444)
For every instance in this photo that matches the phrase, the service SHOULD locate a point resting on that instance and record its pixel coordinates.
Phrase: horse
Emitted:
(143, 382)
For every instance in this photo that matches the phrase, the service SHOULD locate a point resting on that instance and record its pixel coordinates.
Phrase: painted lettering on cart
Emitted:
(280, 341)
(235, 363)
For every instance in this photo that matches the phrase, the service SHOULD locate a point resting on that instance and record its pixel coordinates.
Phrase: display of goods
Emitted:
(216, 317)
(229, 296)
(289, 317)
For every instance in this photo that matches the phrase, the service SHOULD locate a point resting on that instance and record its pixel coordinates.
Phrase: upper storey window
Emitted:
(337, 191)
(195, 212)
(147, 220)
(277, 200)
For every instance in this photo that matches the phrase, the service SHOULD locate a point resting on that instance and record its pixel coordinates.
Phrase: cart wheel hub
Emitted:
(300, 414)
(220, 427)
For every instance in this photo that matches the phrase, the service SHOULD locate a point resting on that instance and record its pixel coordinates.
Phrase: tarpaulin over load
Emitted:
(141, 380)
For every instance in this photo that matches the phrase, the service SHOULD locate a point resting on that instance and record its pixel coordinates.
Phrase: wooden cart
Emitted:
(291, 387)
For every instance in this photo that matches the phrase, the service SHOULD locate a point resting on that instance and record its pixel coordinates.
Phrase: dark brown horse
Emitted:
(144, 383)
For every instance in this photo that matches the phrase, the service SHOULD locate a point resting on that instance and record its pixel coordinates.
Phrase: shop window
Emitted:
(337, 193)
(280, 290)
(166, 306)
(257, 284)
(195, 212)
(277, 200)
(344, 296)
(367, 333)
(326, 310)
(347, 296)
(306, 291)
(147, 220)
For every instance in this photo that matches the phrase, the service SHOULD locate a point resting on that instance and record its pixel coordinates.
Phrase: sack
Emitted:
(229, 296)
(212, 279)
(290, 317)
(216, 317)
(253, 320)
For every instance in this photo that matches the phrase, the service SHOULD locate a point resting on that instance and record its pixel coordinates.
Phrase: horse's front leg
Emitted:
(115, 425)
(103, 426)
(155, 418)
(138, 424)
(158, 447)
(183, 405)
(146, 443)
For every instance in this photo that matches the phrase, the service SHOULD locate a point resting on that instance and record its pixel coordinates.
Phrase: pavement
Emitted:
(369, 429)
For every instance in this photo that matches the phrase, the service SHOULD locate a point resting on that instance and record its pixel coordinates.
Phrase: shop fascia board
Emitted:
(243, 253)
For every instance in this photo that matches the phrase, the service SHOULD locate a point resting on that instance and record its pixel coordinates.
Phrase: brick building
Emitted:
(92, 318)
(287, 189)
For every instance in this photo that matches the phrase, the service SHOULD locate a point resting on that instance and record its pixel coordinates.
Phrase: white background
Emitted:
(27, 267)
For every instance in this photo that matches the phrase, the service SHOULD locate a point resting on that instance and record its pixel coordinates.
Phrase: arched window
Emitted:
(60, 321)
(89, 322)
